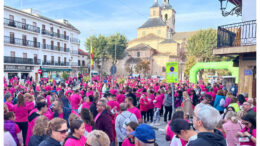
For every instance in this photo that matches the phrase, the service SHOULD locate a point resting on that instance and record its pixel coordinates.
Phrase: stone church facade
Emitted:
(158, 42)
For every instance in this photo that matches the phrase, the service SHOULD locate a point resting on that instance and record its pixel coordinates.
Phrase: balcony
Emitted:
(75, 40)
(236, 38)
(56, 63)
(21, 42)
(19, 60)
(55, 48)
(74, 52)
(20, 25)
(54, 34)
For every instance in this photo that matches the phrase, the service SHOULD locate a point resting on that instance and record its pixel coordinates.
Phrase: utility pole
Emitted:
(90, 57)
(114, 64)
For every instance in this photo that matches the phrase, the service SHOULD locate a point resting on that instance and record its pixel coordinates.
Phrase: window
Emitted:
(138, 54)
(65, 60)
(24, 40)
(58, 32)
(83, 63)
(78, 62)
(11, 22)
(12, 54)
(43, 27)
(12, 38)
(24, 55)
(24, 23)
(65, 46)
(51, 29)
(52, 45)
(34, 26)
(35, 42)
(35, 58)
(58, 44)
(45, 58)
(59, 60)
(166, 17)
(44, 43)
(64, 34)
(163, 69)
(52, 59)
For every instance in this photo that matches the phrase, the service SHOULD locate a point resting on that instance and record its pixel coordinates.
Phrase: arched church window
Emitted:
(138, 54)
(166, 17)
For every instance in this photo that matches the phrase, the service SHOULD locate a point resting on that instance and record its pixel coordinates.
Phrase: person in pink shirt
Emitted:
(89, 92)
(150, 97)
(120, 97)
(33, 115)
(112, 103)
(87, 117)
(131, 108)
(68, 94)
(231, 127)
(21, 110)
(87, 102)
(130, 140)
(247, 136)
(157, 104)
(75, 100)
(9, 101)
(144, 106)
(76, 136)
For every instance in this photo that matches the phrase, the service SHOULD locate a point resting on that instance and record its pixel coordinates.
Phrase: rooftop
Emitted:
(81, 52)
(153, 22)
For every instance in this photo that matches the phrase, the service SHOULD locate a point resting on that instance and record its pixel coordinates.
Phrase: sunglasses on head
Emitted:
(63, 131)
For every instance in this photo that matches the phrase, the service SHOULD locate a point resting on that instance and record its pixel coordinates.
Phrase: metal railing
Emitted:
(75, 40)
(55, 48)
(20, 25)
(54, 34)
(56, 63)
(19, 60)
(21, 42)
(237, 34)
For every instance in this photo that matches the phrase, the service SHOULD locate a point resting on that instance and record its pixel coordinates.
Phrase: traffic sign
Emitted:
(113, 69)
(39, 71)
(172, 72)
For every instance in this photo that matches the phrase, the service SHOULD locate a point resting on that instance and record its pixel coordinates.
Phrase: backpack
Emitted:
(124, 124)
(222, 102)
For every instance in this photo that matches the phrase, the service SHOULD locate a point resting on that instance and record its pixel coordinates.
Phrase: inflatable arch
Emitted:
(213, 65)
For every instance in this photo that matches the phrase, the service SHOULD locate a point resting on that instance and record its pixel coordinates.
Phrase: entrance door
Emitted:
(36, 77)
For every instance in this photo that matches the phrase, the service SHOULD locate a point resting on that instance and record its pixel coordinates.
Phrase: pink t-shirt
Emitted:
(21, 112)
(75, 142)
(143, 104)
(250, 143)
(86, 105)
(158, 103)
(231, 132)
(120, 98)
(126, 142)
(75, 101)
(135, 111)
(113, 104)
(88, 128)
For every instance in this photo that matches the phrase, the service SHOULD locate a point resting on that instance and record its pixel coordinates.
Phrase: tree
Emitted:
(202, 43)
(120, 42)
(191, 60)
(99, 46)
(143, 67)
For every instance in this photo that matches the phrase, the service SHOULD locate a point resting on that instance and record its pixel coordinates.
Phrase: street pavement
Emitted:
(160, 133)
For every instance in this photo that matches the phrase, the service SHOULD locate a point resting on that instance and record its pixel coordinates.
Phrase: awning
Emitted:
(56, 69)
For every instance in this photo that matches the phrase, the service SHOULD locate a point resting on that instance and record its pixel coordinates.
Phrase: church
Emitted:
(158, 42)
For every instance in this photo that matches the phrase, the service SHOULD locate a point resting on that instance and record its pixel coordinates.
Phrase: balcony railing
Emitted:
(21, 42)
(56, 63)
(237, 34)
(54, 34)
(20, 25)
(19, 60)
(74, 52)
(55, 48)
(75, 40)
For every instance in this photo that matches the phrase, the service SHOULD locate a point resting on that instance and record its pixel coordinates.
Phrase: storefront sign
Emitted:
(18, 68)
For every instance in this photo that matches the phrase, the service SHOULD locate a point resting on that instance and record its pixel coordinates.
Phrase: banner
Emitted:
(172, 72)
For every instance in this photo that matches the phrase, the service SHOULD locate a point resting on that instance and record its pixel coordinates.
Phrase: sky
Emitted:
(106, 17)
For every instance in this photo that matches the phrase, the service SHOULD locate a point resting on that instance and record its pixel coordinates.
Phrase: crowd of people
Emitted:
(107, 112)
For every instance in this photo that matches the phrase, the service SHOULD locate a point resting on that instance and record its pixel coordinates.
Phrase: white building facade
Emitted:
(33, 42)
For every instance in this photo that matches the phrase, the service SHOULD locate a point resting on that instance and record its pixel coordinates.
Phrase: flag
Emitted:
(91, 57)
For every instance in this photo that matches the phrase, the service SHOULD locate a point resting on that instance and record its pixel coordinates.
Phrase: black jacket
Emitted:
(209, 139)
(93, 109)
(66, 114)
(134, 98)
(36, 140)
(50, 142)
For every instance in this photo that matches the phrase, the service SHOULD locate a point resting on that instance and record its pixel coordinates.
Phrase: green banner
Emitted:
(172, 72)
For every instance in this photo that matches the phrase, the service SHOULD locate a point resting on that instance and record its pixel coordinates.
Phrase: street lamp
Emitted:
(236, 10)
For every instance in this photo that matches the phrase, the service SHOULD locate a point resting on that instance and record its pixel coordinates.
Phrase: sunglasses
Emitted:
(63, 131)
